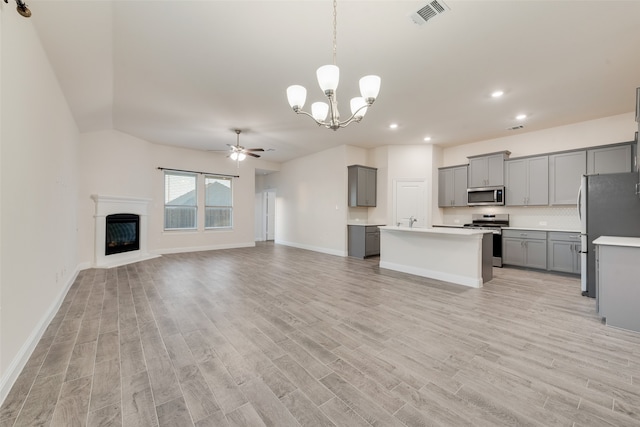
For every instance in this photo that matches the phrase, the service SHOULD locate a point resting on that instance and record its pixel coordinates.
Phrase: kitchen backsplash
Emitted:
(548, 217)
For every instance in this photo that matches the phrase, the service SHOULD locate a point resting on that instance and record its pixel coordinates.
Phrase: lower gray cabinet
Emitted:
(564, 252)
(525, 248)
(364, 240)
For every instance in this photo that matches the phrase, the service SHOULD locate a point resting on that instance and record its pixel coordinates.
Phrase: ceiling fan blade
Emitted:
(254, 149)
(251, 154)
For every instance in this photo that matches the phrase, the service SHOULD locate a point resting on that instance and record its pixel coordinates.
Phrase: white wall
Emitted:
(311, 200)
(117, 164)
(412, 162)
(312, 210)
(39, 175)
(607, 130)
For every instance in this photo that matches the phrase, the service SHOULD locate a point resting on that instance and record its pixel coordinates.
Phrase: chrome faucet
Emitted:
(411, 221)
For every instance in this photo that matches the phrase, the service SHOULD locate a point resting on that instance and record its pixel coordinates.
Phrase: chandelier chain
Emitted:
(326, 114)
(335, 31)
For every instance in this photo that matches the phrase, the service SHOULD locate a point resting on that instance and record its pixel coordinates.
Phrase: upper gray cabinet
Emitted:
(362, 186)
(487, 170)
(452, 186)
(527, 181)
(565, 172)
(612, 159)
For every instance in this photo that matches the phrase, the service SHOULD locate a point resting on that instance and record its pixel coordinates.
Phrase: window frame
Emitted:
(229, 207)
(167, 205)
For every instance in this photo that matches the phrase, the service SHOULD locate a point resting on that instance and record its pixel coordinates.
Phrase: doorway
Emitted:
(409, 201)
(265, 225)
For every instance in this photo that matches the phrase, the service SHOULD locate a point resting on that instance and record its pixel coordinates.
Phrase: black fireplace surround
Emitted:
(123, 233)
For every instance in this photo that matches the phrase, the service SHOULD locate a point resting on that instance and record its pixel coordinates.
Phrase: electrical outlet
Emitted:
(543, 223)
(456, 221)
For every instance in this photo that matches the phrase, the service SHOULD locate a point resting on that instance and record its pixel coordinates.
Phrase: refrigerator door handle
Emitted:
(578, 202)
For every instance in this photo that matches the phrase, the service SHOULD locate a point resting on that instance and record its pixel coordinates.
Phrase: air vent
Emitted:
(431, 10)
(516, 127)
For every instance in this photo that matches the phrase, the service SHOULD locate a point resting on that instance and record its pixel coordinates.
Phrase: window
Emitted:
(218, 201)
(180, 201)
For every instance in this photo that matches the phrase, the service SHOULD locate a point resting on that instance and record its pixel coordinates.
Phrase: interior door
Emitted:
(409, 202)
(270, 214)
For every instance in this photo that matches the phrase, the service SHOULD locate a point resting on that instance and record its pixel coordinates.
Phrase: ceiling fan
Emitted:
(238, 152)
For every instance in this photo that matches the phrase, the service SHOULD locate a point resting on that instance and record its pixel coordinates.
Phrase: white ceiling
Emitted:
(186, 73)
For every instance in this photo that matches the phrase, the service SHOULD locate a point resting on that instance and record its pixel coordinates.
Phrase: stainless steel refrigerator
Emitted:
(609, 206)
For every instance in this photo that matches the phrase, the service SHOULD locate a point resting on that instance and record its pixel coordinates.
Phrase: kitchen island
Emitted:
(462, 256)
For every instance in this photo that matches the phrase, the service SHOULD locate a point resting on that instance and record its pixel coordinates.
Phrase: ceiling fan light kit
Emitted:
(238, 152)
(21, 8)
(328, 79)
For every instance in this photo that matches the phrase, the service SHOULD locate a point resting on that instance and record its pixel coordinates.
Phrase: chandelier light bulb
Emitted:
(358, 107)
(328, 78)
(234, 156)
(297, 95)
(319, 111)
(370, 87)
(241, 156)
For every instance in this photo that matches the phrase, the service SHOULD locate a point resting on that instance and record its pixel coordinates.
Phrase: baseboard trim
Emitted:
(312, 248)
(168, 251)
(431, 274)
(20, 360)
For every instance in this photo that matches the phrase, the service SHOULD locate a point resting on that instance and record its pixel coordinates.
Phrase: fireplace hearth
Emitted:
(122, 233)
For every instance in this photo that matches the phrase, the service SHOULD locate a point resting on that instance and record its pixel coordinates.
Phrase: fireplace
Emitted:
(117, 221)
(122, 233)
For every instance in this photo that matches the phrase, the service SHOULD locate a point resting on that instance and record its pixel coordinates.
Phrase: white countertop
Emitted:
(633, 242)
(560, 230)
(449, 225)
(366, 224)
(440, 230)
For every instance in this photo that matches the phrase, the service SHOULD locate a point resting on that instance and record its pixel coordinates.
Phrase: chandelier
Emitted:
(328, 77)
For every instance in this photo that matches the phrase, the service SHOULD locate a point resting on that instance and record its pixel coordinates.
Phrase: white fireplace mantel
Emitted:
(109, 205)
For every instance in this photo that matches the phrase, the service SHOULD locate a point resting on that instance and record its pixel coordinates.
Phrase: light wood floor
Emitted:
(279, 336)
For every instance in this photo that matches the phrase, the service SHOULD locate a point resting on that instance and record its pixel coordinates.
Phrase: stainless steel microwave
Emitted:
(485, 196)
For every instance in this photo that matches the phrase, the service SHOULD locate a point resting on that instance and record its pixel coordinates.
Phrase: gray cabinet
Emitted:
(611, 159)
(364, 240)
(487, 170)
(563, 250)
(452, 186)
(527, 181)
(362, 186)
(525, 248)
(618, 289)
(565, 172)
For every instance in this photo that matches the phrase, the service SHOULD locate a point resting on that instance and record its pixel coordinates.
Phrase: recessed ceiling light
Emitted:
(521, 116)
(497, 94)
(427, 138)
(393, 126)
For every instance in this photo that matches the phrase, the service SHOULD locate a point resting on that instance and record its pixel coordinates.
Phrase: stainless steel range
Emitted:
(493, 222)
